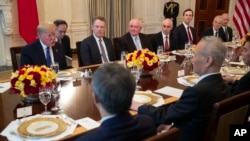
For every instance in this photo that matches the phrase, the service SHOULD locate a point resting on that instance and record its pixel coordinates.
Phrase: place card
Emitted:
(88, 123)
(24, 111)
(181, 73)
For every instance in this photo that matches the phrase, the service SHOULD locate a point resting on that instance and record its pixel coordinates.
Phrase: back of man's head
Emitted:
(114, 87)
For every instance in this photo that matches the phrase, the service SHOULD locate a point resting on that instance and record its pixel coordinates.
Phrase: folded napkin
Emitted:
(11, 130)
(237, 63)
(4, 87)
(170, 91)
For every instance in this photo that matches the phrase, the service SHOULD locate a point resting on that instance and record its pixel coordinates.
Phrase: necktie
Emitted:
(216, 34)
(227, 36)
(137, 43)
(103, 54)
(166, 44)
(48, 57)
(189, 35)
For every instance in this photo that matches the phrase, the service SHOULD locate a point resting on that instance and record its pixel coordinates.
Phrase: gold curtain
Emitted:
(116, 12)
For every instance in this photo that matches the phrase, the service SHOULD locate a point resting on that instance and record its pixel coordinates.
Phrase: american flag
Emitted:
(241, 17)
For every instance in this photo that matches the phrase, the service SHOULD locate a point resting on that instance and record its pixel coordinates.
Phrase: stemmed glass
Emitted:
(45, 97)
(123, 57)
(136, 72)
(160, 55)
(55, 67)
(229, 56)
(56, 89)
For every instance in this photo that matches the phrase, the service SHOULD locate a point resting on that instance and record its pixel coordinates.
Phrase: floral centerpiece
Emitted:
(143, 59)
(243, 39)
(28, 79)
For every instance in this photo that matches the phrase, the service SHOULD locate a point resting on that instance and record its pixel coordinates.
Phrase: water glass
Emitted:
(56, 89)
(136, 72)
(123, 57)
(45, 97)
(55, 67)
(160, 51)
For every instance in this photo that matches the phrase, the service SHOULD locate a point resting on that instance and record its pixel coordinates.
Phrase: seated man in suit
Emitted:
(227, 30)
(113, 90)
(191, 112)
(133, 39)
(184, 32)
(61, 37)
(216, 29)
(96, 48)
(242, 85)
(164, 38)
(45, 50)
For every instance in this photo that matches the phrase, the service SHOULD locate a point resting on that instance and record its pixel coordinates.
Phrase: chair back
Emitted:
(232, 110)
(116, 49)
(78, 52)
(15, 53)
(173, 134)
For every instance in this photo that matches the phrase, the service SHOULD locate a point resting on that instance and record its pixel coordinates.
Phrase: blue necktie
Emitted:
(48, 57)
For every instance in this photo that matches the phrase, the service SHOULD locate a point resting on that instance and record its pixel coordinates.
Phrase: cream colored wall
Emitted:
(75, 12)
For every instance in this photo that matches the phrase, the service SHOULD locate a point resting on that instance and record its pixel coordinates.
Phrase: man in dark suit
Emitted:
(96, 48)
(164, 38)
(192, 111)
(133, 40)
(227, 30)
(242, 85)
(171, 10)
(113, 90)
(184, 32)
(216, 29)
(61, 37)
(44, 51)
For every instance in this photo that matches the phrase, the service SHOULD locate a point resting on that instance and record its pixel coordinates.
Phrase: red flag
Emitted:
(28, 19)
(241, 17)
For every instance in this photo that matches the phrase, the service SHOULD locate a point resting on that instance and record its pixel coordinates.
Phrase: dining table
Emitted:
(76, 96)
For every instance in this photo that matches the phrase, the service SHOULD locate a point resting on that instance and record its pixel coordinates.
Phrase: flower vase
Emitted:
(30, 99)
(145, 73)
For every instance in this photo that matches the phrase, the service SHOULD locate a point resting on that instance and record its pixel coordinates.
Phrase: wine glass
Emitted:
(136, 72)
(56, 89)
(123, 57)
(229, 56)
(55, 67)
(45, 97)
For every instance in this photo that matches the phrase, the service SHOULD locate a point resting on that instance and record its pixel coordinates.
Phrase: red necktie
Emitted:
(189, 35)
(166, 44)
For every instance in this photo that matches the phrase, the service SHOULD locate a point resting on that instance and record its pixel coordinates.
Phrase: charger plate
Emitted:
(63, 74)
(192, 79)
(145, 97)
(42, 127)
(234, 70)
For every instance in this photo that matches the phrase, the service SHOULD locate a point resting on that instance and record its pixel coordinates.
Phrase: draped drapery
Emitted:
(117, 14)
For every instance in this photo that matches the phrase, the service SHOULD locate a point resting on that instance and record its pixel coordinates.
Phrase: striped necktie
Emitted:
(103, 54)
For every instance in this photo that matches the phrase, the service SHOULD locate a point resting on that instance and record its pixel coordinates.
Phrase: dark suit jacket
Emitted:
(191, 112)
(126, 43)
(181, 36)
(230, 33)
(66, 45)
(241, 85)
(157, 40)
(33, 54)
(90, 53)
(210, 32)
(123, 127)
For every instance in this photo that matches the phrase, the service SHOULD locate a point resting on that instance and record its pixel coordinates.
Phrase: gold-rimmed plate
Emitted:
(192, 79)
(181, 51)
(145, 97)
(235, 70)
(63, 74)
(42, 127)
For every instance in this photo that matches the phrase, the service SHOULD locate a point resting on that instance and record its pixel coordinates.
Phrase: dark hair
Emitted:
(98, 18)
(114, 87)
(188, 10)
(59, 22)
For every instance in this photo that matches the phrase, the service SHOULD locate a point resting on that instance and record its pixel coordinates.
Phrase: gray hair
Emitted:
(213, 46)
(114, 86)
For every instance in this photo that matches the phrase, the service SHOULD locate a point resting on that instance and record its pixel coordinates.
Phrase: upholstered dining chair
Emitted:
(78, 46)
(172, 134)
(232, 110)
(15, 53)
